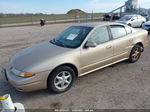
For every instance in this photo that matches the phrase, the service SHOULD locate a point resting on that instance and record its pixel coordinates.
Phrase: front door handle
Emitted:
(109, 47)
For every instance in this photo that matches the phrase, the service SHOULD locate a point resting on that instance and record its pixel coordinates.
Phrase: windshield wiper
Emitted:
(58, 43)
(53, 42)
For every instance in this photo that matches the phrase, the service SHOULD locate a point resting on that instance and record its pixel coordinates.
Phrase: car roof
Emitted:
(95, 24)
(133, 15)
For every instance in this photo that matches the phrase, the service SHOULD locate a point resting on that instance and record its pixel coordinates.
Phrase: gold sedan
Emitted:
(77, 51)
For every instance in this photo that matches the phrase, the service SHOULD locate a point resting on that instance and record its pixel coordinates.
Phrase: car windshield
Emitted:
(72, 37)
(125, 18)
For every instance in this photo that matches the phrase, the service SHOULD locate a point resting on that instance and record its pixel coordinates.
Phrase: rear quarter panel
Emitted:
(140, 36)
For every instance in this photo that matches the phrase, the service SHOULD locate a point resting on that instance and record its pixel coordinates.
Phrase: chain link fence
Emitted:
(6, 20)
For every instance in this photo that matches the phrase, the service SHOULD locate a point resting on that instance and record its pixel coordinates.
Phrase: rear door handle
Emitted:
(109, 47)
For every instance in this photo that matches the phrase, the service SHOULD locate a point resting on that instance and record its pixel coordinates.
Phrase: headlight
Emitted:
(20, 73)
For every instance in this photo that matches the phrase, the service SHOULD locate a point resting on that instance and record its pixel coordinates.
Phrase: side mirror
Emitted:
(90, 44)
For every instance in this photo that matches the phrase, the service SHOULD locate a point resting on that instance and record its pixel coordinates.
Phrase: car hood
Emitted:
(35, 55)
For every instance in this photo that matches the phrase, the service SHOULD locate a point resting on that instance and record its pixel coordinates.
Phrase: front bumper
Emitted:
(37, 82)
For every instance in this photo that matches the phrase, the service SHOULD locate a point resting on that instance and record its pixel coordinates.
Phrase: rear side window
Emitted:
(135, 18)
(118, 31)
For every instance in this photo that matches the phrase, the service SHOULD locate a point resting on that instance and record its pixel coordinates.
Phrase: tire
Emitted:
(61, 79)
(135, 54)
(129, 25)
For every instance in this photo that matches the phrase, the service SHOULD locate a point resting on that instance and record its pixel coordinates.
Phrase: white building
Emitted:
(131, 4)
(134, 3)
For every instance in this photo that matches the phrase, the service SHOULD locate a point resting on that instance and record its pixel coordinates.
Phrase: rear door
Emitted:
(140, 21)
(122, 41)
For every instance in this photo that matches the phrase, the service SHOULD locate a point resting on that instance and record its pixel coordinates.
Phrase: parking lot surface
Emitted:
(121, 86)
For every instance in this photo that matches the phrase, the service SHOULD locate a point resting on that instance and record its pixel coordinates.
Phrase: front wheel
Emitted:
(61, 79)
(135, 54)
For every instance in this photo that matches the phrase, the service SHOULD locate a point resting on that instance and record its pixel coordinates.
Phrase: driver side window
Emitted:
(100, 35)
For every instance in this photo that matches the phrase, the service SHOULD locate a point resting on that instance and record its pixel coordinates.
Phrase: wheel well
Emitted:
(69, 65)
(140, 44)
(129, 24)
(72, 66)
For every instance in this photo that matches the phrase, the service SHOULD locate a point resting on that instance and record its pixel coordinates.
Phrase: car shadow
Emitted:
(20, 96)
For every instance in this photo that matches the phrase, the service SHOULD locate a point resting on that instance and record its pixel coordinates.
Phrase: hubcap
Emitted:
(62, 80)
(136, 54)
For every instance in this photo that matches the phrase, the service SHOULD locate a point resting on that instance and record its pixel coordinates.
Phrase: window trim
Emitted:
(112, 34)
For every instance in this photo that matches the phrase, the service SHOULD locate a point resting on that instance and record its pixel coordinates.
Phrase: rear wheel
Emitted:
(61, 79)
(135, 54)
(129, 25)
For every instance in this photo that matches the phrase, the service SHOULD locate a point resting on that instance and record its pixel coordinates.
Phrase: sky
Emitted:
(62, 6)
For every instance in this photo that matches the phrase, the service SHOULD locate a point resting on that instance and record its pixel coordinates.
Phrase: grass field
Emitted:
(35, 18)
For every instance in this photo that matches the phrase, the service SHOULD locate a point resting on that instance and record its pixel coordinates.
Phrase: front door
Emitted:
(94, 58)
